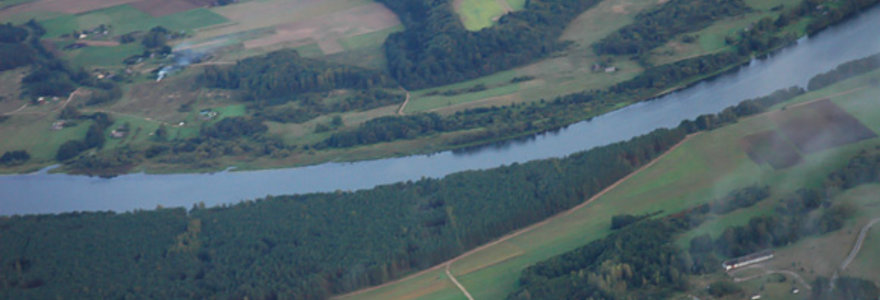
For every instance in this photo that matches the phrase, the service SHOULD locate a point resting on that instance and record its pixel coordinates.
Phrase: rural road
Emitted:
(863, 233)
(402, 106)
(449, 263)
(460, 287)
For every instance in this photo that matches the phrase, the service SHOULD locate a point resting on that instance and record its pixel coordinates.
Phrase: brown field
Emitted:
(327, 29)
(61, 6)
(159, 8)
(160, 100)
(772, 148)
(821, 125)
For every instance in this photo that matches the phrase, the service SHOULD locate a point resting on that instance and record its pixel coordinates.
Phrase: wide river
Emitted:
(53, 193)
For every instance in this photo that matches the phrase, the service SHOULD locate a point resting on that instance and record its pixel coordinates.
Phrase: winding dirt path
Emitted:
(402, 106)
(507, 237)
(863, 233)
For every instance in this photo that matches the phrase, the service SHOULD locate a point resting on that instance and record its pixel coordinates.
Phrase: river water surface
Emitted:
(52, 193)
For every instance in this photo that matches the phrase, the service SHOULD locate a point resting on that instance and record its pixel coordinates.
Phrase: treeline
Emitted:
(655, 27)
(284, 75)
(309, 107)
(741, 198)
(307, 246)
(14, 157)
(13, 47)
(638, 262)
(435, 48)
(845, 71)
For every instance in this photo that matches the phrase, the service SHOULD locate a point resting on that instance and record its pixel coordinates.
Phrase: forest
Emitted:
(637, 262)
(657, 26)
(435, 48)
(284, 75)
(337, 241)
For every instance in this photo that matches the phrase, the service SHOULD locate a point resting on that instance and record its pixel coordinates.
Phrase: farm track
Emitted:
(863, 233)
(460, 287)
(403, 106)
(505, 238)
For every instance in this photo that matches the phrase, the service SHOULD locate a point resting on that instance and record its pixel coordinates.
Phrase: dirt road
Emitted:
(402, 106)
(455, 281)
(448, 263)
(863, 233)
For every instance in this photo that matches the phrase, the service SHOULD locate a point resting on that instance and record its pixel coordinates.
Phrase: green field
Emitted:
(125, 19)
(707, 166)
(478, 14)
(103, 56)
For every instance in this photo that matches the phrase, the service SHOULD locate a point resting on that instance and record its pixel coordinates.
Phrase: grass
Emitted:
(516, 4)
(704, 168)
(478, 14)
(712, 38)
(369, 40)
(125, 18)
(103, 56)
(8, 3)
(235, 110)
(32, 133)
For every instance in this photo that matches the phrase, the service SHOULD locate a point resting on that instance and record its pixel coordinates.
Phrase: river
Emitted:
(41, 192)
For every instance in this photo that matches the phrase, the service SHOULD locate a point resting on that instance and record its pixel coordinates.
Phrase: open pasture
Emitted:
(126, 18)
(329, 29)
